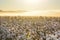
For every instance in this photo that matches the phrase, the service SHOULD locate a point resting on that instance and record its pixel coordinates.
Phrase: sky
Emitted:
(29, 4)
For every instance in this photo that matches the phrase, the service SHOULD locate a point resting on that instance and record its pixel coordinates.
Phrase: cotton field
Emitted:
(29, 28)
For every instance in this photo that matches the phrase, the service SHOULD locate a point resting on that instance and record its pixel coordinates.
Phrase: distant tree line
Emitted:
(13, 11)
(1, 10)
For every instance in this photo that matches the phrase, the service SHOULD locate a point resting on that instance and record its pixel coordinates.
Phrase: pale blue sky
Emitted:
(20, 4)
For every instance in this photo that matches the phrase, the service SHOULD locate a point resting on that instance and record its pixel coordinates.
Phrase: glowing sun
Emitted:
(34, 1)
(31, 1)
